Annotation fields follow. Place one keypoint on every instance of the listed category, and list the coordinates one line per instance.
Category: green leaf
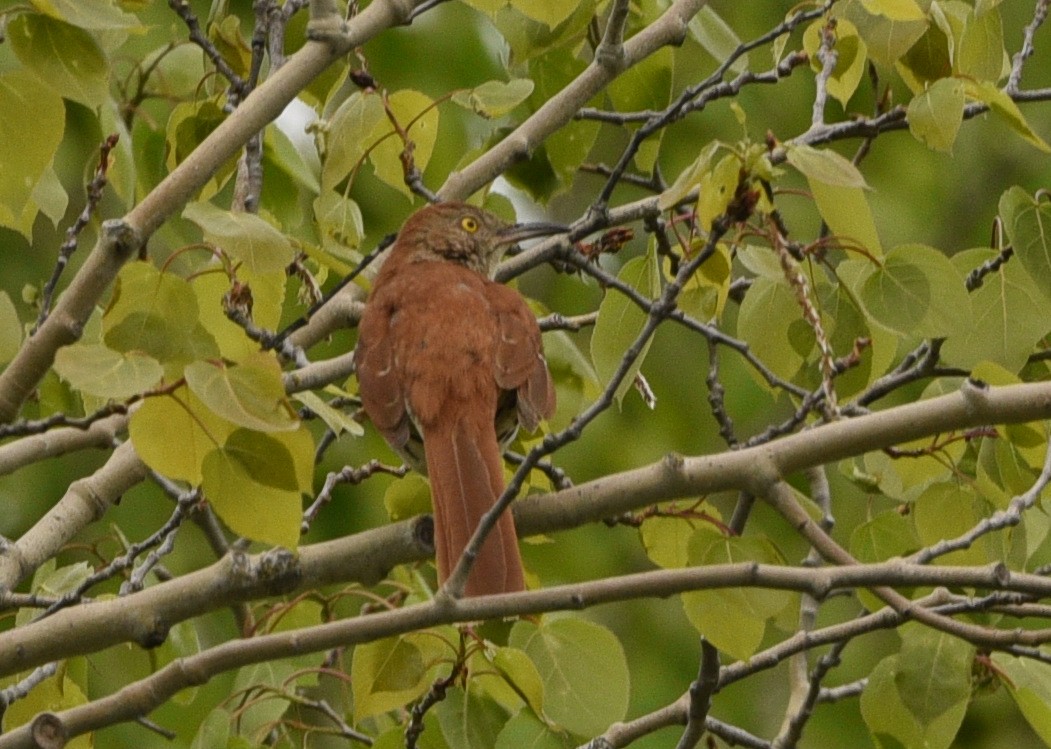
(520, 672)
(688, 178)
(100, 371)
(96, 15)
(156, 313)
(66, 58)
(10, 329)
(526, 730)
(896, 10)
(243, 236)
(1028, 225)
(209, 290)
(416, 114)
(573, 656)
(213, 731)
(392, 672)
(888, 716)
(981, 52)
(935, 115)
(947, 510)
(851, 57)
(494, 99)
(717, 189)
(1029, 684)
(188, 126)
(717, 38)
(548, 12)
(258, 715)
(28, 108)
(889, 534)
(353, 130)
(733, 619)
(340, 225)
(53, 695)
(889, 27)
(848, 215)
(667, 540)
(928, 60)
(620, 321)
(335, 419)
(772, 322)
(1010, 315)
(250, 394)
(200, 432)
(470, 720)
(248, 507)
(1002, 104)
(705, 293)
(933, 674)
(263, 458)
(825, 166)
(407, 498)
(917, 291)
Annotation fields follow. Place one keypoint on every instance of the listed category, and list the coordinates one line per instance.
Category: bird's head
(465, 234)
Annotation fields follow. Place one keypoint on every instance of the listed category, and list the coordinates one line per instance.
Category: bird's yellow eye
(469, 224)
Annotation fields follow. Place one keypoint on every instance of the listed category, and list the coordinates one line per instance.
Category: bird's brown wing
(519, 363)
(381, 389)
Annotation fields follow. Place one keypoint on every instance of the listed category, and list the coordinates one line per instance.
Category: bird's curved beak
(516, 233)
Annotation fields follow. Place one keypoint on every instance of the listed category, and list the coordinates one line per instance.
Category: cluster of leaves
(823, 327)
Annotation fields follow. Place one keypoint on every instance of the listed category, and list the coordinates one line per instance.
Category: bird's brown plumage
(447, 354)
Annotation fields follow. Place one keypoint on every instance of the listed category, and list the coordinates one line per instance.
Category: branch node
(279, 570)
(49, 732)
(326, 24)
(121, 239)
(975, 394)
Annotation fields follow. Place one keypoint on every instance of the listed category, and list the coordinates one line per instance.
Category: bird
(449, 364)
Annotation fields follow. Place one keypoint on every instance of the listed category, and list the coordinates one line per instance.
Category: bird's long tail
(466, 475)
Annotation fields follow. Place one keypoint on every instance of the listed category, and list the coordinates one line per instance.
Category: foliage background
(918, 195)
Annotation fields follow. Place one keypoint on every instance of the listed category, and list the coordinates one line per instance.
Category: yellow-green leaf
(572, 657)
(66, 58)
(352, 131)
(10, 329)
(851, 57)
(548, 12)
(1027, 221)
(88, 14)
(981, 52)
(733, 619)
(936, 114)
(392, 672)
(28, 107)
(243, 236)
(248, 507)
(620, 321)
(717, 189)
(717, 37)
(824, 165)
(100, 371)
(416, 114)
(200, 431)
(250, 394)
(334, 419)
(494, 99)
(848, 215)
(1010, 315)
(1002, 104)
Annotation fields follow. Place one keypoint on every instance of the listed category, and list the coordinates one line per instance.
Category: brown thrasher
(448, 355)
